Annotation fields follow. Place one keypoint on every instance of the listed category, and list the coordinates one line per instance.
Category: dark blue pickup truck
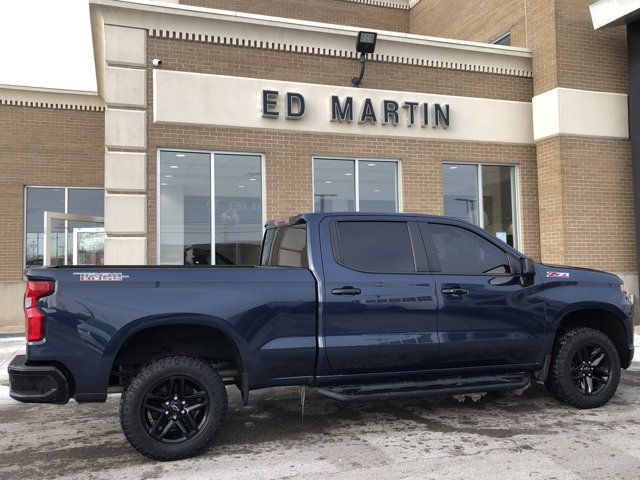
(359, 306)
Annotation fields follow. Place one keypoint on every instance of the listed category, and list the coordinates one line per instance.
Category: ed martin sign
(217, 100)
(342, 110)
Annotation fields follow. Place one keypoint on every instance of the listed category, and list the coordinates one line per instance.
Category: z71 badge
(558, 275)
(101, 276)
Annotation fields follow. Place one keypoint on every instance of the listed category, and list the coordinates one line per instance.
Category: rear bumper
(37, 383)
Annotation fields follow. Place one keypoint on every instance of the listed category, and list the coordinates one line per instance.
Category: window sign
(484, 195)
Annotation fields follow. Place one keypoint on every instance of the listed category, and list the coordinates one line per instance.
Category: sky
(46, 43)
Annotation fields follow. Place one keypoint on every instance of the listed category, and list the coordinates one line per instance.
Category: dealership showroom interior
(172, 132)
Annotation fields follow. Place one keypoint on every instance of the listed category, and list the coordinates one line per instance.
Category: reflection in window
(383, 247)
(480, 256)
(238, 191)
(344, 185)
(81, 201)
(186, 233)
(462, 184)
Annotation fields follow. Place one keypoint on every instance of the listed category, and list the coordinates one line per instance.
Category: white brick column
(125, 92)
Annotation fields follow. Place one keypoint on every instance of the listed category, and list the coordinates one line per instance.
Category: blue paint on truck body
(290, 329)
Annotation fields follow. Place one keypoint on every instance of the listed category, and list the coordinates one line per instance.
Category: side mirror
(527, 267)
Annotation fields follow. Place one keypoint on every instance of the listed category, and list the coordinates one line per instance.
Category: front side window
(70, 242)
(352, 185)
(376, 247)
(210, 199)
(484, 195)
(463, 252)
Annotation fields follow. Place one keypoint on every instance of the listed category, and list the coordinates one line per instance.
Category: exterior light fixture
(365, 43)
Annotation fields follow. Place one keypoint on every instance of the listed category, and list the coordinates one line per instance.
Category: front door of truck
(486, 316)
(380, 307)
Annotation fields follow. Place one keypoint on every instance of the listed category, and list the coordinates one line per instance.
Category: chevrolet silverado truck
(358, 306)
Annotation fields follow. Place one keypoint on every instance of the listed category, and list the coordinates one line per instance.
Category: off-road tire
(559, 382)
(131, 407)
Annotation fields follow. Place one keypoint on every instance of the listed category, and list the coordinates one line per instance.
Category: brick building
(213, 116)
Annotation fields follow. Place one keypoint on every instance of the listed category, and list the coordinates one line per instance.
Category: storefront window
(64, 234)
(188, 227)
(470, 189)
(346, 185)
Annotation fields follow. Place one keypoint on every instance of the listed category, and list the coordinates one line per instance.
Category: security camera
(156, 62)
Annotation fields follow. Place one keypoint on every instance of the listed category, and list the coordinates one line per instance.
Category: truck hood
(580, 273)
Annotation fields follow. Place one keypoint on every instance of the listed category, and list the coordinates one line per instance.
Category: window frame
(66, 211)
(268, 245)
(418, 248)
(515, 193)
(211, 154)
(501, 37)
(356, 180)
(432, 255)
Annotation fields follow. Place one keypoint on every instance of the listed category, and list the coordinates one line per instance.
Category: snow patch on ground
(9, 348)
(5, 399)
(635, 364)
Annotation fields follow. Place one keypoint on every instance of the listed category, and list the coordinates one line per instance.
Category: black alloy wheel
(585, 368)
(591, 369)
(175, 409)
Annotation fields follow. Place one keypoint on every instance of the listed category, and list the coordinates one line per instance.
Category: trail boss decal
(558, 275)
(101, 276)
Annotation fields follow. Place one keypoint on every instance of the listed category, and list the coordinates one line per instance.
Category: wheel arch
(600, 316)
(205, 337)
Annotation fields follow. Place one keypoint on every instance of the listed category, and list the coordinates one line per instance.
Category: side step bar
(427, 388)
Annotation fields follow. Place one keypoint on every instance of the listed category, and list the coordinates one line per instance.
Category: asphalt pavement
(500, 436)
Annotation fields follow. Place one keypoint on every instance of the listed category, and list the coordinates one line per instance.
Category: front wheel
(173, 407)
(585, 369)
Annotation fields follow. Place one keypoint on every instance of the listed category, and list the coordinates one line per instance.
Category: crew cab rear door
(380, 311)
(486, 316)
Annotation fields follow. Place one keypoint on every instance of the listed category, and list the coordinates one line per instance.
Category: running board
(427, 388)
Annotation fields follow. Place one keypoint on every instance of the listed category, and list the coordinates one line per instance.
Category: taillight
(33, 317)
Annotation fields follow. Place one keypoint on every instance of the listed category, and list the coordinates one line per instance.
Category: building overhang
(613, 13)
(23, 96)
(185, 22)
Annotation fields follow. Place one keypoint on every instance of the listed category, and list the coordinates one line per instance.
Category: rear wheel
(585, 369)
(173, 407)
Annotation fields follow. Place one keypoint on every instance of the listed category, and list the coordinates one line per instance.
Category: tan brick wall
(288, 167)
(541, 20)
(551, 201)
(589, 59)
(41, 146)
(598, 203)
(478, 21)
(191, 56)
(586, 203)
(341, 12)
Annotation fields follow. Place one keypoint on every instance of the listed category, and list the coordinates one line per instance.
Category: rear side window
(461, 251)
(377, 247)
(286, 247)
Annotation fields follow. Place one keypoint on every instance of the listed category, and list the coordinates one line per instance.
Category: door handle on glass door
(348, 290)
(455, 291)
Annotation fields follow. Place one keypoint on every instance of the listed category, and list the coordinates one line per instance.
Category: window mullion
(480, 199)
(356, 163)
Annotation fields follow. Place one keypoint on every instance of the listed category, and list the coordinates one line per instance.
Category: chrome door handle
(348, 290)
(455, 291)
